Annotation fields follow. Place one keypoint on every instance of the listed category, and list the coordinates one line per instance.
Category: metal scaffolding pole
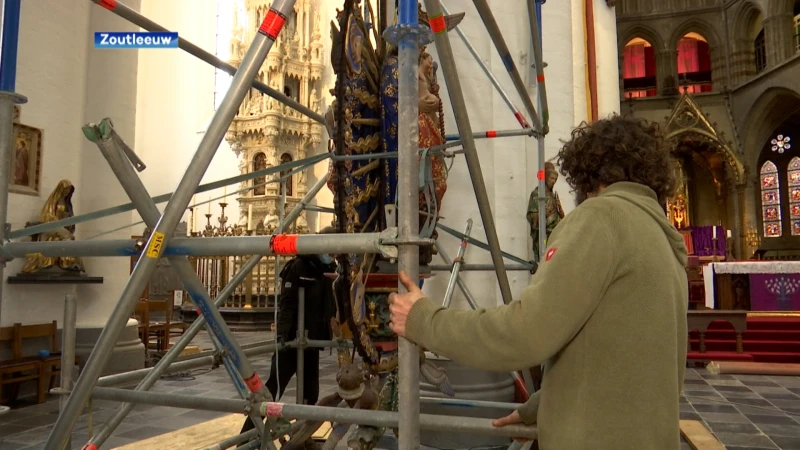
(7, 102)
(99, 214)
(301, 348)
(408, 35)
(8, 80)
(491, 134)
(137, 19)
(495, 82)
(287, 411)
(236, 364)
(462, 249)
(497, 37)
(471, 153)
(534, 10)
(161, 234)
(281, 244)
(476, 267)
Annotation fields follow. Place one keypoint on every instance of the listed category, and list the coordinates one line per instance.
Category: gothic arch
(698, 26)
(766, 114)
(745, 16)
(688, 119)
(644, 32)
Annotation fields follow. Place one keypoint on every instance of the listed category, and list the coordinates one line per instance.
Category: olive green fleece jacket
(605, 313)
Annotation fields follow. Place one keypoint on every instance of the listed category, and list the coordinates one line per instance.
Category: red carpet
(767, 339)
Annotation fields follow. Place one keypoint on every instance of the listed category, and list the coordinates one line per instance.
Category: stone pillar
(743, 61)
(667, 72)
(741, 224)
(779, 36)
(718, 76)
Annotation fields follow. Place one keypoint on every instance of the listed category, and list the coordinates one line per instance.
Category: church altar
(753, 285)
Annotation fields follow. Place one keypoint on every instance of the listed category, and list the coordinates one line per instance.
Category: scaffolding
(399, 243)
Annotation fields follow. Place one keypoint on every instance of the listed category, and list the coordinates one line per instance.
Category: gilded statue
(57, 207)
(553, 210)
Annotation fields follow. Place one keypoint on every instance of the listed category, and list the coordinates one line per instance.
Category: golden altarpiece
(266, 133)
(711, 183)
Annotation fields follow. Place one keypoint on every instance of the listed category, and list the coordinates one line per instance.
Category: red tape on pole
(272, 24)
(90, 446)
(521, 119)
(540, 175)
(540, 78)
(253, 383)
(109, 5)
(491, 134)
(284, 244)
(438, 24)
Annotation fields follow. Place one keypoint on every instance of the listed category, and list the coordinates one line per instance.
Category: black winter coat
(306, 271)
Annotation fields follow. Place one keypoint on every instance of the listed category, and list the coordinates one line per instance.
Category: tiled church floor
(745, 412)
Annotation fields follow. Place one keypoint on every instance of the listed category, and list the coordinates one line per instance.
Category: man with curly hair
(605, 313)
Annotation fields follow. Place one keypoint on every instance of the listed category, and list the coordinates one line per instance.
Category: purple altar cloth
(775, 292)
(703, 241)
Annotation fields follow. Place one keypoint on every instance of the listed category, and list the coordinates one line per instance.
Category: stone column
(743, 61)
(718, 76)
(779, 34)
(741, 224)
(667, 72)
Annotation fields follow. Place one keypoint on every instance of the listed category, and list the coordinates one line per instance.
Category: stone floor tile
(780, 430)
(745, 440)
(724, 417)
(786, 443)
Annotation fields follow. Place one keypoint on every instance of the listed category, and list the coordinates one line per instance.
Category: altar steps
(767, 339)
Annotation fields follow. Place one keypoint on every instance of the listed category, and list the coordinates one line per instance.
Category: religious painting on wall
(26, 155)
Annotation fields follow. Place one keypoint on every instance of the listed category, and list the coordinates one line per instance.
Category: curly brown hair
(618, 149)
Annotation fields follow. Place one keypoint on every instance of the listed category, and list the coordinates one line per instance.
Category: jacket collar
(630, 188)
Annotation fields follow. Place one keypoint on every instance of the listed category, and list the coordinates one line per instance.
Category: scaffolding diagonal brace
(456, 93)
(162, 232)
(115, 151)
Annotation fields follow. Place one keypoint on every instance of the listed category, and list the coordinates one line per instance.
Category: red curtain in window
(649, 62)
(634, 58)
(703, 56)
(688, 60)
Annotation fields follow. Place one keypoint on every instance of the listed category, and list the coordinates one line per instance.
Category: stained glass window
(771, 200)
(781, 143)
(793, 175)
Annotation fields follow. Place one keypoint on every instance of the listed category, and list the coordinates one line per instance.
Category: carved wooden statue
(57, 207)
(553, 210)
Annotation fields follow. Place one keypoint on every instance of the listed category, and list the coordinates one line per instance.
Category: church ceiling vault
(687, 121)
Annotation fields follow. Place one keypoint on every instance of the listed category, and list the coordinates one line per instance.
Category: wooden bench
(159, 326)
(700, 320)
(20, 368)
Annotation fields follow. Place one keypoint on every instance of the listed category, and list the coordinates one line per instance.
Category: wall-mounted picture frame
(26, 161)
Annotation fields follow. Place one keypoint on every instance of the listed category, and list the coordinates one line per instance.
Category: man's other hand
(400, 304)
(510, 419)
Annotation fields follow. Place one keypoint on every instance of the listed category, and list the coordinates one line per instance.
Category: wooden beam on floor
(753, 368)
(205, 434)
(698, 436)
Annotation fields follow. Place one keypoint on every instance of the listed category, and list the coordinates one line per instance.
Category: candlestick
(714, 232)
(225, 194)
(249, 217)
(209, 207)
(729, 234)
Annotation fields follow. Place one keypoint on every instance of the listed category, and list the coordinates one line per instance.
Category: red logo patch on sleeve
(550, 254)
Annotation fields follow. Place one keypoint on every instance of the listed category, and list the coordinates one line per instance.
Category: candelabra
(753, 239)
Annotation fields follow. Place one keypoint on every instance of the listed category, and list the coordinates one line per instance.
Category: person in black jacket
(308, 272)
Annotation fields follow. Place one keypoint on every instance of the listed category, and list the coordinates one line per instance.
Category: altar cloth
(774, 285)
